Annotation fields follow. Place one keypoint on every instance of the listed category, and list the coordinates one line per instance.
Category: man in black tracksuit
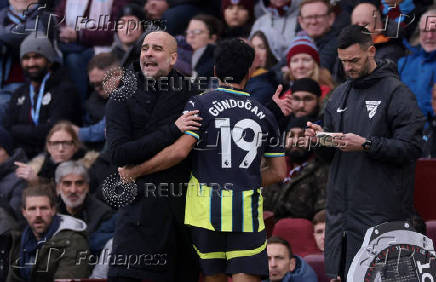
(371, 177)
(151, 228)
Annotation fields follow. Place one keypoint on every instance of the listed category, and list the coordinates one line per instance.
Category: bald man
(388, 47)
(150, 240)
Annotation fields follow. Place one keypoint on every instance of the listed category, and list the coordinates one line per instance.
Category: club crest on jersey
(371, 107)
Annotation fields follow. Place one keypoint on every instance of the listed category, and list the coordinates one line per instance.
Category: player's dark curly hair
(233, 59)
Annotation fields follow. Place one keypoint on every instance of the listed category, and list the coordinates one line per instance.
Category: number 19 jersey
(224, 189)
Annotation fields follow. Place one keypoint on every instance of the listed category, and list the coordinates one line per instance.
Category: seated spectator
(83, 33)
(11, 186)
(278, 24)
(101, 68)
(131, 19)
(155, 9)
(16, 22)
(202, 33)
(72, 186)
(303, 61)
(47, 98)
(50, 243)
(262, 83)
(62, 145)
(238, 17)
(284, 266)
(388, 46)
(316, 19)
(302, 192)
(319, 229)
(98, 70)
(418, 70)
(305, 99)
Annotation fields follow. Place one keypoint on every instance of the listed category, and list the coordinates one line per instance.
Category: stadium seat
(317, 263)
(431, 230)
(425, 188)
(299, 233)
(268, 218)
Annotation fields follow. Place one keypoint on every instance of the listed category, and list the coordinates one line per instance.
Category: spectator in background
(303, 61)
(155, 8)
(16, 22)
(47, 98)
(10, 185)
(128, 33)
(388, 46)
(319, 229)
(418, 70)
(302, 192)
(62, 145)
(262, 83)
(50, 243)
(72, 186)
(88, 29)
(278, 24)
(316, 19)
(101, 68)
(285, 266)
(202, 33)
(306, 98)
(238, 17)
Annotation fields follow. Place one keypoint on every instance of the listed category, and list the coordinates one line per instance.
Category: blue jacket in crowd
(418, 72)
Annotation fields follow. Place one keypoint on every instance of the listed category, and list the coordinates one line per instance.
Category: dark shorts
(231, 252)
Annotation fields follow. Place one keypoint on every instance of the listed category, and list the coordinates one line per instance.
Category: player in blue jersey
(223, 200)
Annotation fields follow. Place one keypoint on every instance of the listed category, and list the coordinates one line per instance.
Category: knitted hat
(38, 43)
(303, 44)
(308, 85)
(6, 141)
(247, 4)
(132, 9)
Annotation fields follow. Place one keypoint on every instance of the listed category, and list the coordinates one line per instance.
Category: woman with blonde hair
(303, 62)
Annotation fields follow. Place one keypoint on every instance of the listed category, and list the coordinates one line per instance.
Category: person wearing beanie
(46, 98)
(238, 17)
(278, 23)
(305, 100)
(16, 22)
(11, 186)
(131, 23)
(303, 61)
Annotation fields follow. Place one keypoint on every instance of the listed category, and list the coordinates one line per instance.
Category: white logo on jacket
(371, 107)
(46, 99)
(21, 100)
